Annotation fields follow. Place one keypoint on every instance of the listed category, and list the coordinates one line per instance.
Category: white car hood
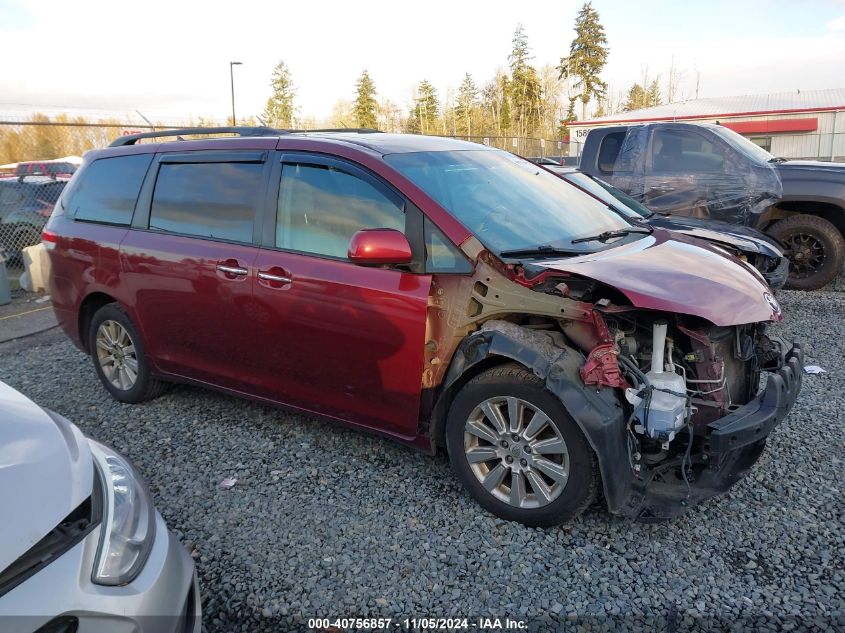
(46, 471)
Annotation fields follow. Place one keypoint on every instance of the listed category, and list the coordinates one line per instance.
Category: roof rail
(353, 130)
(131, 139)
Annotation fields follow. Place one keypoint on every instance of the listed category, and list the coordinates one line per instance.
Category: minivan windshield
(509, 203)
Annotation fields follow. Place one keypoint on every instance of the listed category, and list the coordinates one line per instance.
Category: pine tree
(525, 90)
(366, 108)
(653, 94)
(570, 117)
(587, 57)
(467, 102)
(426, 109)
(280, 110)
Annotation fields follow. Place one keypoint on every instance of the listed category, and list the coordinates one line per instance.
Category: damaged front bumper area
(729, 447)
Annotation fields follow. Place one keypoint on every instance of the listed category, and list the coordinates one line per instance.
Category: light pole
(232, 81)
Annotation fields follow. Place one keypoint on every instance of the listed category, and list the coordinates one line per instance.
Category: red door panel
(192, 298)
(341, 339)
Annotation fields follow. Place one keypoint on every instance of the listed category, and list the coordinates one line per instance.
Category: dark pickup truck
(708, 171)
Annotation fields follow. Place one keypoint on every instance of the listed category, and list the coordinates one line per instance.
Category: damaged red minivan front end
(656, 348)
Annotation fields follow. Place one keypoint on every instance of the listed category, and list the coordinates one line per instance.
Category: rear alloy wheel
(116, 354)
(517, 451)
(119, 356)
(815, 248)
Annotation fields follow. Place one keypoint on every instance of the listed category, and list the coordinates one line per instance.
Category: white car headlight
(128, 519)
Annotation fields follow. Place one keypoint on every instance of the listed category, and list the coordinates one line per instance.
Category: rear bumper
(730, 447)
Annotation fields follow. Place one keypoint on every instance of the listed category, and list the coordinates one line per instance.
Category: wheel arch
(87, 309)
(597, 412)
(833, 212)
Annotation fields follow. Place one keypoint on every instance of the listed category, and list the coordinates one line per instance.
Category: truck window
(675, 151)
(609, 152)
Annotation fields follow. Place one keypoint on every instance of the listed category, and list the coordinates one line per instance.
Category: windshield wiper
(607, 235)
(543, 250)
(777, 159)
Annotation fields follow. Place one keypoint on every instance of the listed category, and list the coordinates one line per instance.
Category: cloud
(837, 24)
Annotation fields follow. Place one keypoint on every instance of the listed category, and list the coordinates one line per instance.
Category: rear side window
(609, 151)
(107, 190)
(213, 200)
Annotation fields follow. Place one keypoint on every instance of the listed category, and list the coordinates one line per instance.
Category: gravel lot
(325, 521)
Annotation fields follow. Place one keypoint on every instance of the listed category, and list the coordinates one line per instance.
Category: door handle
(277, 278)
(232, 270)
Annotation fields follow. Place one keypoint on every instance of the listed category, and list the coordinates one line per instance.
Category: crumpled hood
(668, 272)
(742, 238)
(46, 470)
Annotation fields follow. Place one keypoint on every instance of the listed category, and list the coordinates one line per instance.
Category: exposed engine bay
(672, 404)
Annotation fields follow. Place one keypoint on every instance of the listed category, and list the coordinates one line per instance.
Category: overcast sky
(170, 59)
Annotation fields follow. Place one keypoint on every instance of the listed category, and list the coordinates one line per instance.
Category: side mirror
(379, 247)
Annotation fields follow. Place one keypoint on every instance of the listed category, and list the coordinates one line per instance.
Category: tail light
(49, 239)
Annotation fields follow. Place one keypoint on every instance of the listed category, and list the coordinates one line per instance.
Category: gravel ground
(325, 521)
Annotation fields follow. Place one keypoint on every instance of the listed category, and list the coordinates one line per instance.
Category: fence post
(5, 289)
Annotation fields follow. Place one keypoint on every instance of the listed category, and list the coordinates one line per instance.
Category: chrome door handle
(232, 270)
(272, 277)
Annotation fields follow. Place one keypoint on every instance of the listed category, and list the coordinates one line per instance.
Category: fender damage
(571, 331)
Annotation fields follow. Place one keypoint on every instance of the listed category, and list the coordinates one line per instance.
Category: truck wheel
(516, 450)
(815, 248)
(119, 356)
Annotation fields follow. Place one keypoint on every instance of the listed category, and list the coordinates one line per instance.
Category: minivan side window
(321, 207)
(106, 191)
(216, 200)
(441, 256)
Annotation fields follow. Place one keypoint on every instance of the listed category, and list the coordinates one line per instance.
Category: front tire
(120, 358)
(815, 248)
(517, 451)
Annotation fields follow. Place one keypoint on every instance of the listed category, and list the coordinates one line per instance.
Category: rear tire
(517, 451)
(815, 248)
(120, 358)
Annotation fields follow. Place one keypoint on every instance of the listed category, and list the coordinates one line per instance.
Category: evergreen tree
(570, 117)
(366, 108)
(280, 110)
(653, 94)
(467, 103)
(524, 88)
(426, 108)
(587, 57)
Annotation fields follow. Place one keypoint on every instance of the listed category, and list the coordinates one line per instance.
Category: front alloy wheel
(516, 453)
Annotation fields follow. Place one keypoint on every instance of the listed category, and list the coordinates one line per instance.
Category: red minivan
(437, 291)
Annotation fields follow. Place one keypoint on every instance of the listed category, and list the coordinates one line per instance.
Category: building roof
(744, 105)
